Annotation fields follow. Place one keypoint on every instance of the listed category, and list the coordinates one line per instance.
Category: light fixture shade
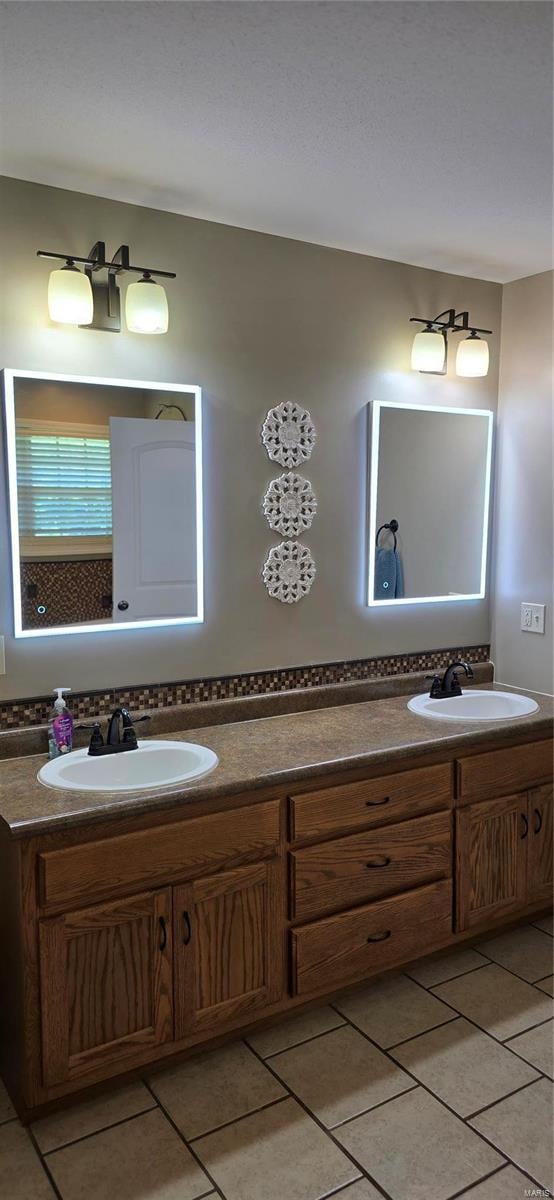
(428, 351)
(472, 357)
(146, 308)
(70, 300)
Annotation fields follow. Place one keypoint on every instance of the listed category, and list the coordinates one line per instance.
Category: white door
(153, 518)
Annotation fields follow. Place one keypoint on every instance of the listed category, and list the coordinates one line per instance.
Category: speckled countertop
(274, 751)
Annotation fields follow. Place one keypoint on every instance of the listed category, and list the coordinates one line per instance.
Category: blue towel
(389, 579)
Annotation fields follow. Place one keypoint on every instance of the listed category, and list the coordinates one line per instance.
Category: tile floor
(427, 1085)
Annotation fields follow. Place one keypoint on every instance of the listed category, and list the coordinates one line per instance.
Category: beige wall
(523, 519)
(254, 320)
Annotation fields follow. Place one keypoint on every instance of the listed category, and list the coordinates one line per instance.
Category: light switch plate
(532, 617)
(2, 657)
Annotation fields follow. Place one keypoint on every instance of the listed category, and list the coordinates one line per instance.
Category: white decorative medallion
(288, 434)
(290, 504)
(289, 571)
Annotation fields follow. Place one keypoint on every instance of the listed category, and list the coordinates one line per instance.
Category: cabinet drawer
(503, 772)
(160, 855)
(368, 865)
(365, 940)
(370, 802)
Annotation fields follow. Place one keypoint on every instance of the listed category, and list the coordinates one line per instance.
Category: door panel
(540, 849)
(491, 851)
(229, 950)
(153, 518)
(105, 983)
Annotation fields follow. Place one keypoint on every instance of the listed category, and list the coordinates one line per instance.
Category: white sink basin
(474, 706)
(154, 765)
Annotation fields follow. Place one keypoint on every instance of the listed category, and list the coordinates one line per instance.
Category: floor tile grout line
(546, 931)
(459, 1195)
(413, 1087)
(102, 1129)
(529, 1029)
(449, 1021)
(303, 1042)
(514, 1092)
(414, 1038)
(312, 1117)
(225, 1124)
(459, 975)
(44, 1164)
(336, 1193)
(215, 1187)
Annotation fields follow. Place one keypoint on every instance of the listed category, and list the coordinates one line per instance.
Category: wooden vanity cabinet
(106, 985)
(228, 948)
(491, 854)
(504, 848)
(540, 847)
(155, 936)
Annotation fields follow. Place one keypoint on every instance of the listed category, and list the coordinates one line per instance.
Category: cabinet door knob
(123, 604)
(379, 937)
(163, 934)
(374, 863)
(188, 929)
(376, 803)
(538, 820)
(525, 826)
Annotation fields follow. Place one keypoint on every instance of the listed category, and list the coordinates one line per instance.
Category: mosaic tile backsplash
(19, 714)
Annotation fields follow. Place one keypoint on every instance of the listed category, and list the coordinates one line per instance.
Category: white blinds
(63, 481)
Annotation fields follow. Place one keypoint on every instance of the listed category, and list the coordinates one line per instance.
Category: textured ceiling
(415, 131)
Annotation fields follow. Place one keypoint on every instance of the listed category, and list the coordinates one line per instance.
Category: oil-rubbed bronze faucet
(114, 744)
(449, 685)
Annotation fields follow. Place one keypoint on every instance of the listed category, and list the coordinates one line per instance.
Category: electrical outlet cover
(532, 617)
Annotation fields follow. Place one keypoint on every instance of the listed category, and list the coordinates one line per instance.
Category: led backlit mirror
(105, 490)
(429, 489)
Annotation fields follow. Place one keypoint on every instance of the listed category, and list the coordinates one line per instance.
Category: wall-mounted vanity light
(78, 297)
(430, 345)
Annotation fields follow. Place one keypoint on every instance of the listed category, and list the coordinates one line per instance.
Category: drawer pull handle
(374, 863)
(188, 930)
(163, 934)
(379, 937)
(523, 835)
(376, 803)
(538, 820)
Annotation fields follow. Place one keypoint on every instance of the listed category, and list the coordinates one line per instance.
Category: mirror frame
(373, 472)
(9, 378)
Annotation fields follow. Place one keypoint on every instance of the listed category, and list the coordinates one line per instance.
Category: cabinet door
(105, 984)
(491, 853)
(540, 845)
(229, 946)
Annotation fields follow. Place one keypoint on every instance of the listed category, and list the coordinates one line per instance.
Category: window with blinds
(63, 489)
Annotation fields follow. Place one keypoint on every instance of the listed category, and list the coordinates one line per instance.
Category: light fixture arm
(96, 261)
(451, 323)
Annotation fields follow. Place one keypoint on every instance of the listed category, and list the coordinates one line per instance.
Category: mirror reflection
(105, 502)
(429, 503)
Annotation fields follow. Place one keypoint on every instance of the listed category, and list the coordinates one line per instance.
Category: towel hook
(392, 526)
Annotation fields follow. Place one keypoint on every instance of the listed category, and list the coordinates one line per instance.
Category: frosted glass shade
(472, 357)
(428, 351)
(146, 308)
(70, 299)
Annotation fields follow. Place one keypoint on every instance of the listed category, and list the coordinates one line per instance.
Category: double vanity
(324, 847)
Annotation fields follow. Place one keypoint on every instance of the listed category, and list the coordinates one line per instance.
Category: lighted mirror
(429, 490)
(105, 494)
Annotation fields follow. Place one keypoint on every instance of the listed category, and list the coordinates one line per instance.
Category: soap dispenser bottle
(60, 726)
